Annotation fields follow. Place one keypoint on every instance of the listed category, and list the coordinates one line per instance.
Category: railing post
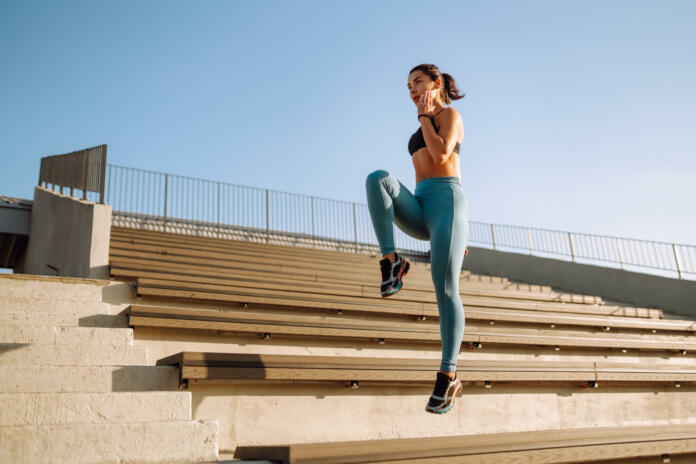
(676, 259)
(218, 204)
(355, 227)
(618, 246)
(102, 176)
(312, 219)
(572, 251)
(267, 217)
(493, 235)
(84, 176)
(166, 185)
(529, 238)
(62, 177)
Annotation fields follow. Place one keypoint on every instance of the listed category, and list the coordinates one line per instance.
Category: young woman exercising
(437, 211)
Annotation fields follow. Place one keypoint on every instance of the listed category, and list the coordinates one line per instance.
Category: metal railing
(261, 214)
(83, 170)
(626, 253)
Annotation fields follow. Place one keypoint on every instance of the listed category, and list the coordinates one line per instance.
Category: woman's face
(418, 83)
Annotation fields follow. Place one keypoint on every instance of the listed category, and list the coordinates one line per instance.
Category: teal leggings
(438, 212)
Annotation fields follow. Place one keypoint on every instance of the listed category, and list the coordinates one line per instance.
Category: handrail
(206, 204)
(81, 169)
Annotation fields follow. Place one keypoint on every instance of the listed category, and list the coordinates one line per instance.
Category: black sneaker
(392, 274)
(445, 391)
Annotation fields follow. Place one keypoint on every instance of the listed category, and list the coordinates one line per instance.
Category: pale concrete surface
(264, 414)
(21, 287)
(17, 316)
(97, 379)
(93, 408)
(57, 301)
(148, 442)
(20, 354)
(43, 335)
(84, 394)
(54, 279)
(68, 237)
(645, 290)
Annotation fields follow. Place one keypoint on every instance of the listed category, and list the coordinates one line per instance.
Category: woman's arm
(441, 145)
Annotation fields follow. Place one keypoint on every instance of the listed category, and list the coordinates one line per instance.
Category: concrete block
(62, 319)
(33, 290)
(19, 354)
(85, 379)
(93, 408)
(145, 442)
(46, 335)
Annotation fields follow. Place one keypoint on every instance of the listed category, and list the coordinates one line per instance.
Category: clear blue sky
(579, 115)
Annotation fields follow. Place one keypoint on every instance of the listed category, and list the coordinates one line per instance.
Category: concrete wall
(645, 290)
(68, 237)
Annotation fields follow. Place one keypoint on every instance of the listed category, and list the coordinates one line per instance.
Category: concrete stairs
(74, 389)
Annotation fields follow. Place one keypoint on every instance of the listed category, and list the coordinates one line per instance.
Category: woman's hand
(425, 103)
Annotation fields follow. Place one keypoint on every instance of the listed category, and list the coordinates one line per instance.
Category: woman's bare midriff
(425, 166)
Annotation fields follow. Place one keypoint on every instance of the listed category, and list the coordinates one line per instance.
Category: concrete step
(62, 319)
(40, 290)
(54, 304)
(86, 379)
(62, 313)
(229, 459)
(385, 412)
(20, 354)
(93, 408)
(46, 335)
(144, 442)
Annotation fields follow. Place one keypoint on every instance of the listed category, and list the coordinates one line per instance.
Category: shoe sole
(399, 277)
(444, 410)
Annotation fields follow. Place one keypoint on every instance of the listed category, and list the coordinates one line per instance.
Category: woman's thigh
(446, 215)
(408, 212)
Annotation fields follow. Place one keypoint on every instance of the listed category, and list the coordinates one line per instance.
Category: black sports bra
(417, 141)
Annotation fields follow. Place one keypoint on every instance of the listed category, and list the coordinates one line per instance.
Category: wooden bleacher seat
(475, 335)
(355, 370)
(674, 444)
(152, 270)
(126, 241)
(171, 271)
(244, 295)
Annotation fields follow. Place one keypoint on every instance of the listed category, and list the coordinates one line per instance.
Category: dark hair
(449, 90)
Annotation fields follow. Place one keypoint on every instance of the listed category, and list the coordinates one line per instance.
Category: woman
(437, 211)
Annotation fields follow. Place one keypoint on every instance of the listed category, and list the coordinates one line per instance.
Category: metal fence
(671, 258)
(81, 170)
(180, 201)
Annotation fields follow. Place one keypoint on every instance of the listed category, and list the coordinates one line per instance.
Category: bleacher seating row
(608, 445)
(352, 371)
(192, 284)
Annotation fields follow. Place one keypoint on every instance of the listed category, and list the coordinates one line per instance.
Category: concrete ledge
(20, 354)
(645, 290)
(87, 379)
(142, 442)
(44, 278)
(17, 409)
(44, 335)
(68, 237)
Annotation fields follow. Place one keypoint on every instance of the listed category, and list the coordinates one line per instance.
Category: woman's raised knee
(376, 176)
